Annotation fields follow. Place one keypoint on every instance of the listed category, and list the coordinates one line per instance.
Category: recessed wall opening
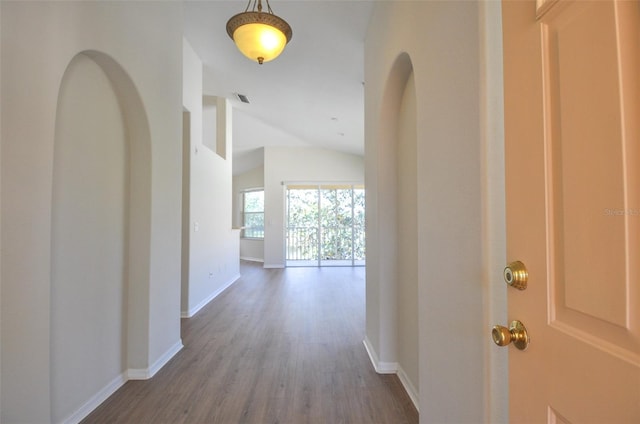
(89, 240)
(186, 196)
(210, 128)
(100, 235)
(398, 227)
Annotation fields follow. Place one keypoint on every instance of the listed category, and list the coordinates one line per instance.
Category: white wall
(0, 221)
(292, 164)
(494, 247)
(213, 244)
(138, 47)
(443, 44)
(250, 249)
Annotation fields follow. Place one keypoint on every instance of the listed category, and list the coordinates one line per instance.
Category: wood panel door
(572, 146)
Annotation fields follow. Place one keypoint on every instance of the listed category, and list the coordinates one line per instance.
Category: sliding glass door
(325, 225)
(303, 230)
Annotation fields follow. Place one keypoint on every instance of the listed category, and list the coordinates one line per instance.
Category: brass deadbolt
(516, 275)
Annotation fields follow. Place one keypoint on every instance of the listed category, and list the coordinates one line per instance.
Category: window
(253, 214)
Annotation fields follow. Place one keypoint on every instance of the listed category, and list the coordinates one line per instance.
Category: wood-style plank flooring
(278, 346)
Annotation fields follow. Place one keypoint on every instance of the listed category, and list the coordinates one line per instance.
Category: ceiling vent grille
(242, 98)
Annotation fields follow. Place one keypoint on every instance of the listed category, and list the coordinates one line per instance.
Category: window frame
(244, 213)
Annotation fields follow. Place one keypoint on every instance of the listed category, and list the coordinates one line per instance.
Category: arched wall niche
(100, 233)
(394, 141)
(139, 144)
(407, 229)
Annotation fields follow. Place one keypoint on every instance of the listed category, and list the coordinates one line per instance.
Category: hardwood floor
(279, 346)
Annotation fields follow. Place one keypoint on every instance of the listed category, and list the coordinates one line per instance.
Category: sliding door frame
(319, 187)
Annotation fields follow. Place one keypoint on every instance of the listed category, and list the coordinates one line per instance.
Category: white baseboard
(409, 388)
(191, 312)
(96, 400)
(166, 357)
(138, 374)
(273, 266)
(116, 383)
(380, 367)
(147, 373)
(250, 259)
(392, 368)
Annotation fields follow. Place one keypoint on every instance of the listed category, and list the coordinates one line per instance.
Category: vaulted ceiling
(312, 95)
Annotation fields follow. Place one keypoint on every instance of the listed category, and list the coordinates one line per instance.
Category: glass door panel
(336, 219)
(358, 226)
(325, 225)
(302, 227)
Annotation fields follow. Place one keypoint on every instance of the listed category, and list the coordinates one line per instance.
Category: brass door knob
(516, 334)
(516, 275)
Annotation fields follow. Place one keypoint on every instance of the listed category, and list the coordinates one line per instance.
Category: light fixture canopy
(260, 36)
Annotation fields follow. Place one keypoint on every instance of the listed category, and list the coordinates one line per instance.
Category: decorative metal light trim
(257, 16)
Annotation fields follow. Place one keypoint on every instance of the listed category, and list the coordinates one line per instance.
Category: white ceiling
(312, 95)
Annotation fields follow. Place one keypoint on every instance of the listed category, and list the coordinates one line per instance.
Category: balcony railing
(302, 243)
(330, 244)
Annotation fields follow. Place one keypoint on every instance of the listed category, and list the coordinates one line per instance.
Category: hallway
(278, 346)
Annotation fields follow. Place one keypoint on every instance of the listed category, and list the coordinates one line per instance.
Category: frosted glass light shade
(259, 41)
(259, 36)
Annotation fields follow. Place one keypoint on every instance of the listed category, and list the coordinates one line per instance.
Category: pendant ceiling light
(260, 36)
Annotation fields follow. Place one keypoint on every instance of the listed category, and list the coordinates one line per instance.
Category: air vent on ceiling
(242, 98)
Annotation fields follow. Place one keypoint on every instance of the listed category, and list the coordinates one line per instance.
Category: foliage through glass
(326, 223)
(253, 215)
